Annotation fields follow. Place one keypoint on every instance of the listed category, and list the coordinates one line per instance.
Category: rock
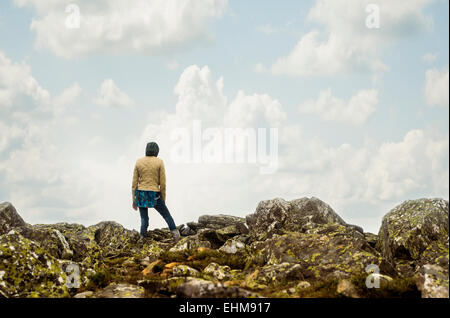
(287, 247)
(163, 286)
(199, 288)
(194, 226)
(145, 261)
(187, 231)
(190, 243)
(115, 290)
(154, 267)
(327, 249)
(216, 271)
(228, 232)
(209, 235)
(346, 288)
(9, 218)
(50, 239)
(303, 285)
(278, 216)
(371, 238)
(432, 282)
(218, 221)
(185, 271)
(86, 294)
(159, 234)
(232, 246)
(273, 275)
(73, 234)
(27, 270)
(113, 237)
(415, 233)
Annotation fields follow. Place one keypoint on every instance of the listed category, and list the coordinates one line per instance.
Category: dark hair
(152, 149)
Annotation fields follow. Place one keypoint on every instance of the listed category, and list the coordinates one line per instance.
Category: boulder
(432, 281)
(347, 289)
(218, 221)
(228, 232)
(190, 243)
(234, 245)
(278, 216)
(323, 252)
(415, 233)
(9, 218)
(218, 272)
(371, 238)
(153, 267)
(184, 271)
(273, 275)
(27, 270)
(50, 239)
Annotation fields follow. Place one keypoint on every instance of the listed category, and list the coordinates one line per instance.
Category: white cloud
(436, 87)
(199, 97)
(418, 162)
(254, 111)
(346, 44)
(379, 175)
(15, 79)
(67, 97)
(115, 26)
(109, 95)
(355, 111)
(51, 180)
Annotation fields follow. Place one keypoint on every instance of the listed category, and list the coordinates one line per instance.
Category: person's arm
(134, 183)
(162, 181)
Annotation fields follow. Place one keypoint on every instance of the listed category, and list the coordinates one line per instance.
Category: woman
(149, 189)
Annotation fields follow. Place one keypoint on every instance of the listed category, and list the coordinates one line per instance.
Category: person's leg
(164, 211)
(144, 221)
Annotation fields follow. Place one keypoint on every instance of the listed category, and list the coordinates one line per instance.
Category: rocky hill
(300, 248)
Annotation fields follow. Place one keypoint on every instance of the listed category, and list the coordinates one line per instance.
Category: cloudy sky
(358, 94)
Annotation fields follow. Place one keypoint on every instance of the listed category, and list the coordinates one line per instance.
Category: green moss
(399, 287)
(321, 289)
(100, 279)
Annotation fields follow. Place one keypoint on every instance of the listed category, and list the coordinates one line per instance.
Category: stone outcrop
(414, 237)
(9, 218)
(298, 248)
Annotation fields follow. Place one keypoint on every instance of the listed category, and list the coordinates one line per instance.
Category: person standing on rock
(149, 189)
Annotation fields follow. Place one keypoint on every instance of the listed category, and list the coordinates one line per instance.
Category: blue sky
(362, 157)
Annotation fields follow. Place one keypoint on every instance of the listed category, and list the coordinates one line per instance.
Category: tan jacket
(149, 175)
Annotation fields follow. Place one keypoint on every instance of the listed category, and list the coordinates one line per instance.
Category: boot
(176, 235)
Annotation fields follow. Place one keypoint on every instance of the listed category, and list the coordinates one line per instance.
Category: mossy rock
(416, 231)
(9, 218)
(278, 216)
(27, 270)
(327, 251)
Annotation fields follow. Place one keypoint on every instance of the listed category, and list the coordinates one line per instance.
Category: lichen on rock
(298, 248)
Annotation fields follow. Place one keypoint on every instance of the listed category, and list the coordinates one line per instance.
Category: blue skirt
(145, 199)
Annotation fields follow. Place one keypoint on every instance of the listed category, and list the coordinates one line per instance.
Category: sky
(355, 92)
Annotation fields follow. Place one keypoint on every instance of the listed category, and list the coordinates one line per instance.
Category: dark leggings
(162, 209)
